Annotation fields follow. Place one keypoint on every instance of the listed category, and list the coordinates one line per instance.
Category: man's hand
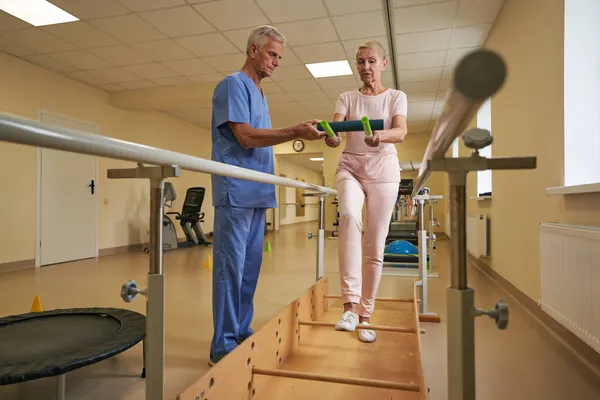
(306, 130)
(333, 141)
(373, 141)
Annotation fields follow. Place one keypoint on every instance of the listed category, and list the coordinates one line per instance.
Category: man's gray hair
(260, 34)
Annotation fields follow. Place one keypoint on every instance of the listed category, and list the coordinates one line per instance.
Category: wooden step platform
(299, 355)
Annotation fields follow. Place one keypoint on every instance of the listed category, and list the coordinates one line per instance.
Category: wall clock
(298, 145)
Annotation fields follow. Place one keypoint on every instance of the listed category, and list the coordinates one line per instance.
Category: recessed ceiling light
(330, 68)
(36, 12)
(316, 159)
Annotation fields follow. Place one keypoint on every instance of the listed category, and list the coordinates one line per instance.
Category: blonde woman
(368, 172)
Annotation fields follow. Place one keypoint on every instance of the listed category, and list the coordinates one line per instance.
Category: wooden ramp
(299, 355)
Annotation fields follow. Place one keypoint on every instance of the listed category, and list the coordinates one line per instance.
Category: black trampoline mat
(51, 343)
(43, 337)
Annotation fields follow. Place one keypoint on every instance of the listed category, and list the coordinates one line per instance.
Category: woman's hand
(373, 141)
(333, 141)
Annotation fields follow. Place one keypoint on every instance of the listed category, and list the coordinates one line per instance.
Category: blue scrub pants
(237, 256)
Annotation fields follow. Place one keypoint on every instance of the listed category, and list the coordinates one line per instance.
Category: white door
(68, 222)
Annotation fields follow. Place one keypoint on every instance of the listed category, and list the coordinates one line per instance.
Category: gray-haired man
(242, 136)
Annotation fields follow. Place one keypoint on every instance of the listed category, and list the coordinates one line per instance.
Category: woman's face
(370, 65)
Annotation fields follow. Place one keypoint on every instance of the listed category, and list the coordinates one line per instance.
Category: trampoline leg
(144, 354)
(62, 387)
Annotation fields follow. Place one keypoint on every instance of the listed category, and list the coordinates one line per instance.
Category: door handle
(92, 185)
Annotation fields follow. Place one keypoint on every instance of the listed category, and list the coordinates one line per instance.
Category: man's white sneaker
(366, 335)
(347, 322)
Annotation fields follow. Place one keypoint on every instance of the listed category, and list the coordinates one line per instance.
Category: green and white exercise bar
(364, 124)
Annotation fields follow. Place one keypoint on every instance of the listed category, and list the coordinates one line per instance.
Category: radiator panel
(570, 278)
(477, 235)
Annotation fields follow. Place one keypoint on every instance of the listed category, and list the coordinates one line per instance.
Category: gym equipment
(477, 76)
(336, 224)
(52, 343)
(367, 126)
(401, 226)
(401, 247)
(189, 219)
(327, 128)
(401, 253)
(404, 265)
(350, 126)
(299, 355)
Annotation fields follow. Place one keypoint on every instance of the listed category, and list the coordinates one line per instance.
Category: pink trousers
(374, 179)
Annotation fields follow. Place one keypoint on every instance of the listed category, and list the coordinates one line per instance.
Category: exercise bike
(189, 219)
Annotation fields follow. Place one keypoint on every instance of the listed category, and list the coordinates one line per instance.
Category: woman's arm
(397, 133)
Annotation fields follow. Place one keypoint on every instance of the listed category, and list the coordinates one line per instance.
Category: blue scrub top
(237, 99)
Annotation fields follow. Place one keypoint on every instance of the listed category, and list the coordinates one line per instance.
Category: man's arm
(249, 137)
(231, 105)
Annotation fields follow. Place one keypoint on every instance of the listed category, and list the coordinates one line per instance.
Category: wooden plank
(391, 357)
(285, 345)
(270, 347)
(432, 318)
(376, 383)
(377, 299)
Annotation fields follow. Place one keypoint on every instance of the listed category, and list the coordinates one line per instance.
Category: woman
(368, 169)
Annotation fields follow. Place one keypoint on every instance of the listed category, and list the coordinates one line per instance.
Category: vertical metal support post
(154, 342)
(61, 387)
(422, 259)
(321, 239)
(461, 324)
(431, 234)
(155, 321)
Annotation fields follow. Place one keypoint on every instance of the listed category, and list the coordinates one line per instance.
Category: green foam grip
(366, 126)
(327, 128)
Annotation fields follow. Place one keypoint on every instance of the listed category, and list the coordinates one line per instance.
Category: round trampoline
(51, 343)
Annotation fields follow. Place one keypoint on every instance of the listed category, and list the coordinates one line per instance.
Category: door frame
(38, 188)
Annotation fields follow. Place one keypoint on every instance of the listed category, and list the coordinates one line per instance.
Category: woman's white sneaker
(366, 335)
(347, 322)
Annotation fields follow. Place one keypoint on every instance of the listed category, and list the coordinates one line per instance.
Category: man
(242, 136)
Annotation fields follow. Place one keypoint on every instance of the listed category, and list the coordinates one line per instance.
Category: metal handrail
(29, 132)
(477, 77)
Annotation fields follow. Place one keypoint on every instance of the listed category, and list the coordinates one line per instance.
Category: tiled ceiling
(167, 55)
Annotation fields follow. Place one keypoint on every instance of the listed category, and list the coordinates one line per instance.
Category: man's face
(266, 59)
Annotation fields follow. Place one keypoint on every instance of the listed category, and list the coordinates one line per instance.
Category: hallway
(523, 362)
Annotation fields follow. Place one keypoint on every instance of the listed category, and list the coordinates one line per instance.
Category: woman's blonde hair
(375, 46)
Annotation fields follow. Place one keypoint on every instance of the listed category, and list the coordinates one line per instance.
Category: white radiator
(570, 278)
(478, 235)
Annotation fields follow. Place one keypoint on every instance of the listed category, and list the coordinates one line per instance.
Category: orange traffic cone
(208, 262)
(37, 305)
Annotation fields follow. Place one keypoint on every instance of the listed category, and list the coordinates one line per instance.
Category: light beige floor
(523, 362)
